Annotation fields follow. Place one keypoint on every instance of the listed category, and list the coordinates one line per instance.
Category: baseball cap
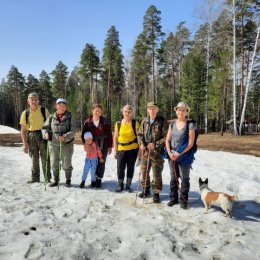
(33, 95)
(152, 104)
(61, 100)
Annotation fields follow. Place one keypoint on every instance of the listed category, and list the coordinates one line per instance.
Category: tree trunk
(234, 71)
(242, 119)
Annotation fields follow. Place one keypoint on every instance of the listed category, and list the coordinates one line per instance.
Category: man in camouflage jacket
(151, 138)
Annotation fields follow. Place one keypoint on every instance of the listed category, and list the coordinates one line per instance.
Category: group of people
(51, 138)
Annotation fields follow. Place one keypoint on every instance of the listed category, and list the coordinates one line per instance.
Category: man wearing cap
(60, 129)
(31, 122)
(151, 138)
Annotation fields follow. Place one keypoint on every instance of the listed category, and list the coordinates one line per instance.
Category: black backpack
(27, 113)
(133, 126)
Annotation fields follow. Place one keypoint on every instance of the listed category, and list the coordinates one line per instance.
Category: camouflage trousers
(65, 156)
(156, 163)
(37, 149)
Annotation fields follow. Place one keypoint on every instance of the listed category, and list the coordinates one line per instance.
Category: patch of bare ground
(246, 144)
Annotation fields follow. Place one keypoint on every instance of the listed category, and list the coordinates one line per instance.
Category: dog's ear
(206, 181)
(200, 180)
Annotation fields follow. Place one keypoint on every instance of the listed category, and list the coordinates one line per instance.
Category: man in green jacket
(151, 138)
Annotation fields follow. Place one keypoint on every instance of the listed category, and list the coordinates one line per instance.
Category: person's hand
(174, 156)
(115, 155)
(46, 136)
(61, 138)
(151, 146)
(25, 148)
(109, 150)
(142, 147)
(102, 160)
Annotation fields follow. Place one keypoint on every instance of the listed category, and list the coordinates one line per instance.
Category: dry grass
(248, 144)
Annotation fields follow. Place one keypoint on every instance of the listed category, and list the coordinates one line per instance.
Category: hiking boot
(82, 184)
(183, 205)
(68, 183)
(156, 198)
(128, 188)
(48, 181)
(120, 187)
(32, 181)
(54, 184)
(93, 184)
(172, 202)
(128, 185)
(144, 194)
(98, 183)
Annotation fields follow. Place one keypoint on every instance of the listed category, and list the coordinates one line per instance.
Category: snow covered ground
(8, 130)
(74, 223)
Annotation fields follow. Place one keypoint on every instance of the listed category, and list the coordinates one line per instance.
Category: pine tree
(112, 74)
(89, 67)
(140, 69)
(59, 81)
(15, 85)
(45, 89)
(153, 34)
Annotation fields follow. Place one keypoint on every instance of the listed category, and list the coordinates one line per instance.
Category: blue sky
(37, 34)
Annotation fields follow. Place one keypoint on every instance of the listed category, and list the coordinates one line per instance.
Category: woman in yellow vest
(126, 147)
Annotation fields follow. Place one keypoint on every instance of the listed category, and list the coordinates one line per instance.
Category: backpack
(27, 113)
(133, 126)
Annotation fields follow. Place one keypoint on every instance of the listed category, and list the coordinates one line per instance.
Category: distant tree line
(165, 68)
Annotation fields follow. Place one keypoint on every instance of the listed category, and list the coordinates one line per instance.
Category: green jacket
(154, 133)
(55, 128)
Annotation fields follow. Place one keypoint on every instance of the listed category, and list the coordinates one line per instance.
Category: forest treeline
(210, 69)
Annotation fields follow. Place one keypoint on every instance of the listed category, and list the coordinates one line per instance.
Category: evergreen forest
(215, 69)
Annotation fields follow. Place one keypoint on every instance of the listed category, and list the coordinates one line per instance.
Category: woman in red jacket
(102, 135)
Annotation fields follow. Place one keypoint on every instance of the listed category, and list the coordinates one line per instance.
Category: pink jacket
(92, 151)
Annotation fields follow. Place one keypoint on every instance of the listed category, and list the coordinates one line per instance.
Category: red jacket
(102, 134)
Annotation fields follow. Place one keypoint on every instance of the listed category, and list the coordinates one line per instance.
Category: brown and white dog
(209, 197)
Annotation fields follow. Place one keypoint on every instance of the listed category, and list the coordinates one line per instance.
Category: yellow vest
(126, 135)
(35, 119)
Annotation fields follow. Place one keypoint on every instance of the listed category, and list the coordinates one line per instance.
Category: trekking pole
(46, 163)
(138, 183)
(59, 165)
(146, 173)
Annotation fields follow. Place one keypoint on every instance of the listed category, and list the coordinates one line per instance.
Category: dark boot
(120, 187)
(68, 183)
(128, 185)
(156, 198)
(54, 184)
(172, 202)
(32, 181)
(82, 184)
(93, 184)
(184, 196)
(145, 194)
(98, 183)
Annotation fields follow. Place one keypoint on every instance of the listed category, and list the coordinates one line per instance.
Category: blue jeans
(90, 164)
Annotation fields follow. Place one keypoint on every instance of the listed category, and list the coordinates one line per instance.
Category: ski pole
(59, 165)
(138, 183)
(146, 174)
(46, 163)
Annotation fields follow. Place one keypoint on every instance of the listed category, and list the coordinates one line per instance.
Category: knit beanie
(88, 135)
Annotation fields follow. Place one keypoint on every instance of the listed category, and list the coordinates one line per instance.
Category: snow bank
(8, 130)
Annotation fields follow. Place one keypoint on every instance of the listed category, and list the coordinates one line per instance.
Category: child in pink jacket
(92, 154)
